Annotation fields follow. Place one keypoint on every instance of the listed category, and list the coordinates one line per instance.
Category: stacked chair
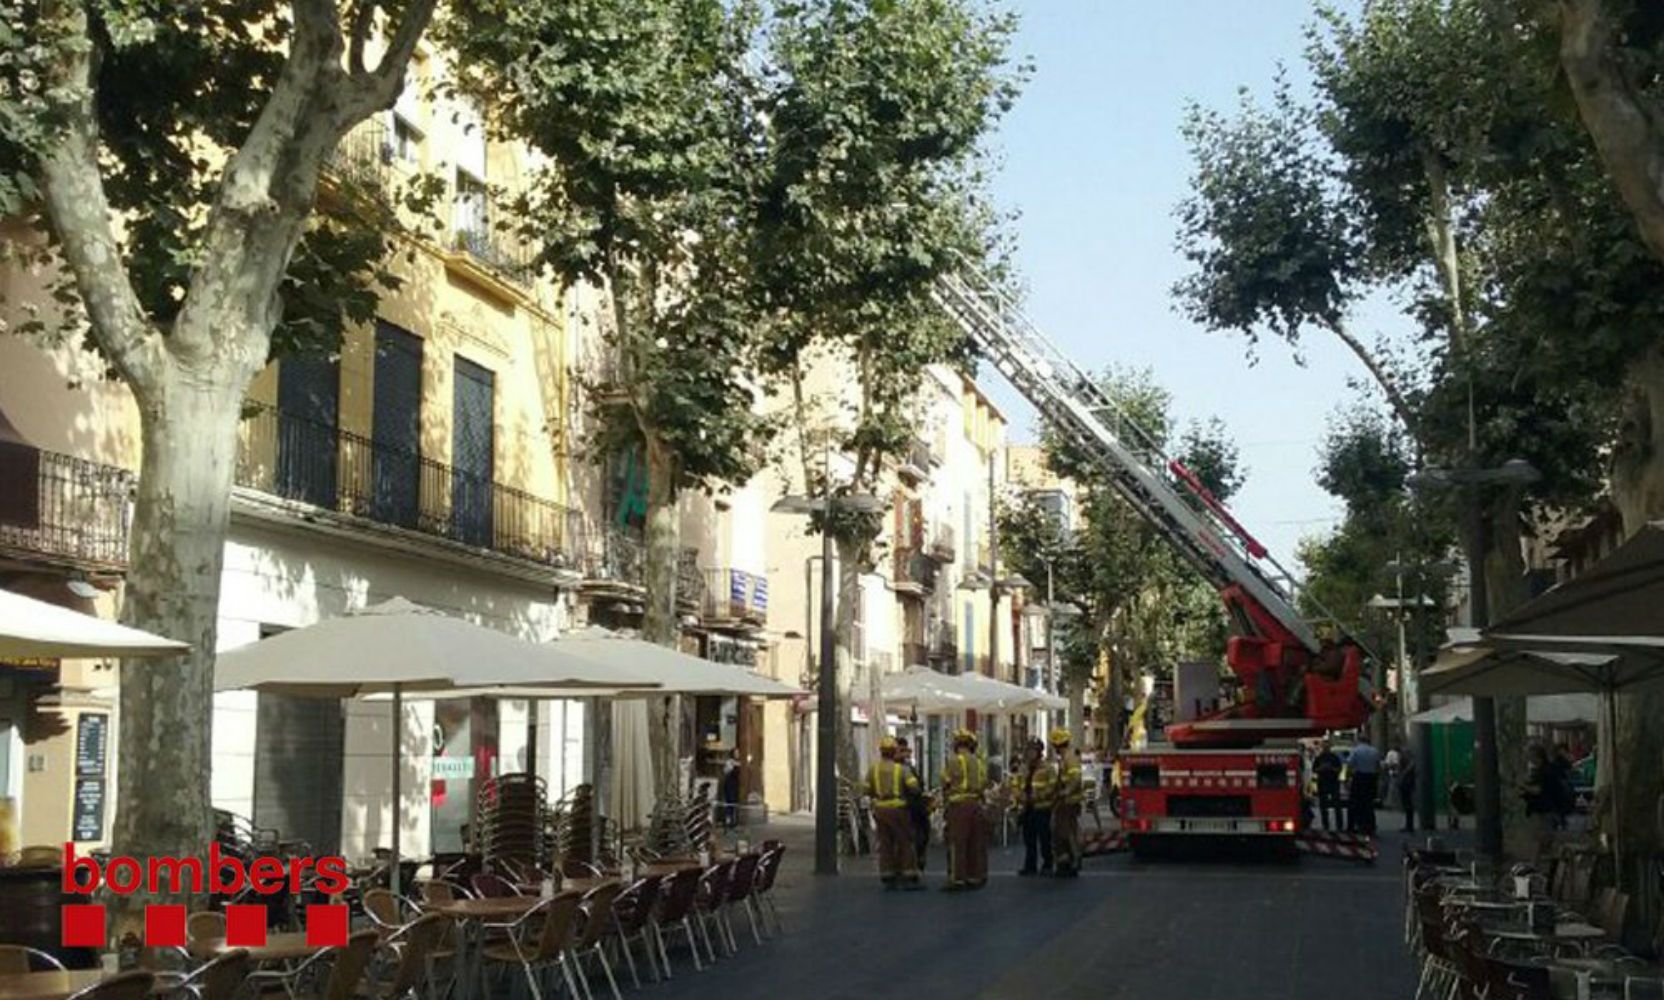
(513, 822)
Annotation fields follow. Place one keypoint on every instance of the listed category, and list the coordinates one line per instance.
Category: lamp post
(826, 722)
(1487, 778)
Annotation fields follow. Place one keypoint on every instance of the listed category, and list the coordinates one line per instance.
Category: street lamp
(1487, 778)
(826, 728)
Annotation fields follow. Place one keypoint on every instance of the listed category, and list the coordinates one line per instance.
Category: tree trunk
(188, 425)
(1115, 689)
(1505, 581)
(1638, 493)
(1624, 121)
(850, 552)
(658, 623)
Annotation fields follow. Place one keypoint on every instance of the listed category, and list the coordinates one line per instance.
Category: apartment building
(428, 458)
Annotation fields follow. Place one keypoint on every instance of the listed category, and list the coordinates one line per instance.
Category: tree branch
(1400, 404)
(79, 209)
(378, 89)
(1628, 132)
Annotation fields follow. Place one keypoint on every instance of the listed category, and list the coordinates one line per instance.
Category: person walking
(1390, 764)
(1037, 789)
(964, 780)
(1407, 787)
(918, 804)
(731, 790)
(1066, 809)
(888, 781)
(1326, 768)
(1541, 807)
(1365, 766)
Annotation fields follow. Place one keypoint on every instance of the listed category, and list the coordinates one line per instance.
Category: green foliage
(647, 113)
(1138, 600)
(871, 189)
(1272, 247)
(177, 89)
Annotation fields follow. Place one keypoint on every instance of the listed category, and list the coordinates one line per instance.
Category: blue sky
(1093, 161)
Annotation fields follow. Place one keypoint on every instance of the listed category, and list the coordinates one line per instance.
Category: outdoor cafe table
(476, 916)
(284, 946)
(53, 985)
(1570, 932)
(588, 884)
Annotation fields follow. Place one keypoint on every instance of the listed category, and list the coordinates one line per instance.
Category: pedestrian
(964, 780)
(888, 781)
(1538, 793)
(1037, 787)
(918, 804)
(1407, 788)
(1066, 807)
(1564, 790)
(1389, 784)
(1326, 767)
(1365, 766)
(730, 793)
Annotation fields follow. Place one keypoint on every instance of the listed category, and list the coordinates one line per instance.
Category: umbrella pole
(398, 750)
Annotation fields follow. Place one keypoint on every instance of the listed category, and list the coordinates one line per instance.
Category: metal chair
(387, 911)
(220, 979)
(767, 871)
(135, 985)
(16, 959)
(489, 886)
(709, 903)
(742, 882)
(677, 899)
(416, 944)
(347, 965)
(555, 921)
(591, 940)
(632, 914)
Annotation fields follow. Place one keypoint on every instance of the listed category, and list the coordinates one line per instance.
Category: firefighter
(1036, 789)
(964, 780)
(889, 782)
(1066, 810)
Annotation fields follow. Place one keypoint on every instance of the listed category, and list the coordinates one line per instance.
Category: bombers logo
(84, 924)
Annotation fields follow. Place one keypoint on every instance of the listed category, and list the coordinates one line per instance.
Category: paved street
(1183, 929)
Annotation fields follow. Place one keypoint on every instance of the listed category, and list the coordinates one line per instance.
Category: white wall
(291, 577)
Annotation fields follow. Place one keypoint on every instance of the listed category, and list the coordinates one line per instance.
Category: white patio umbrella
(1009, 698)
(924, 691)
(402, 648)
(31, 628)
(1548, 709)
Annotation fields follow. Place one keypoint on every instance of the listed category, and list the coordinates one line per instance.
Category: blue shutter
(472, 454)
(396, 424)
(308, 408)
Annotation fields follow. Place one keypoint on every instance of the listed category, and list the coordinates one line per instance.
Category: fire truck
(1225, 768)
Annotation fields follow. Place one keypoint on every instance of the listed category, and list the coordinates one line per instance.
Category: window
(469, 220)
(308, 405)
(404, 142)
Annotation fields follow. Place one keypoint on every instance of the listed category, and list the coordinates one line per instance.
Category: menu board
(89, 809)
(92, 753)
(92, 744)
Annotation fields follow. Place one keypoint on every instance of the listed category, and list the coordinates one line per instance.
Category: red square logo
(164, 926)
(83, 926)
(245, 926)
(326, 925)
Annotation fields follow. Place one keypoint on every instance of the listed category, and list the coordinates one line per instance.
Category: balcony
(941, 545)
(941, 645)
(690, 581)
(916, 462)
(611, 557)
(310, 463)
(487, 253)
(914, 572)
(362, 161)
(734, 598)
(64, 510)
(915, 654)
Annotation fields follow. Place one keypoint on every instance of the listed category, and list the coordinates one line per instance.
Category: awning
(31, 628)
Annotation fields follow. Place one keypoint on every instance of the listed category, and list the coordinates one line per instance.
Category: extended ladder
(1077, 408)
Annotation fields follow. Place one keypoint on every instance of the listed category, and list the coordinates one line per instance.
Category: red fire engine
(1232, 770)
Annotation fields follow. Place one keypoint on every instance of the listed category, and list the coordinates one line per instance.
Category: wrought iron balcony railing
(64, 509)
(299, 459)
(734, 595)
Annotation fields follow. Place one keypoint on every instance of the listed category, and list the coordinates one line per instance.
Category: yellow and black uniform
(1066, 811)
(964, 780)
(889, 782)
(1036, 794)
